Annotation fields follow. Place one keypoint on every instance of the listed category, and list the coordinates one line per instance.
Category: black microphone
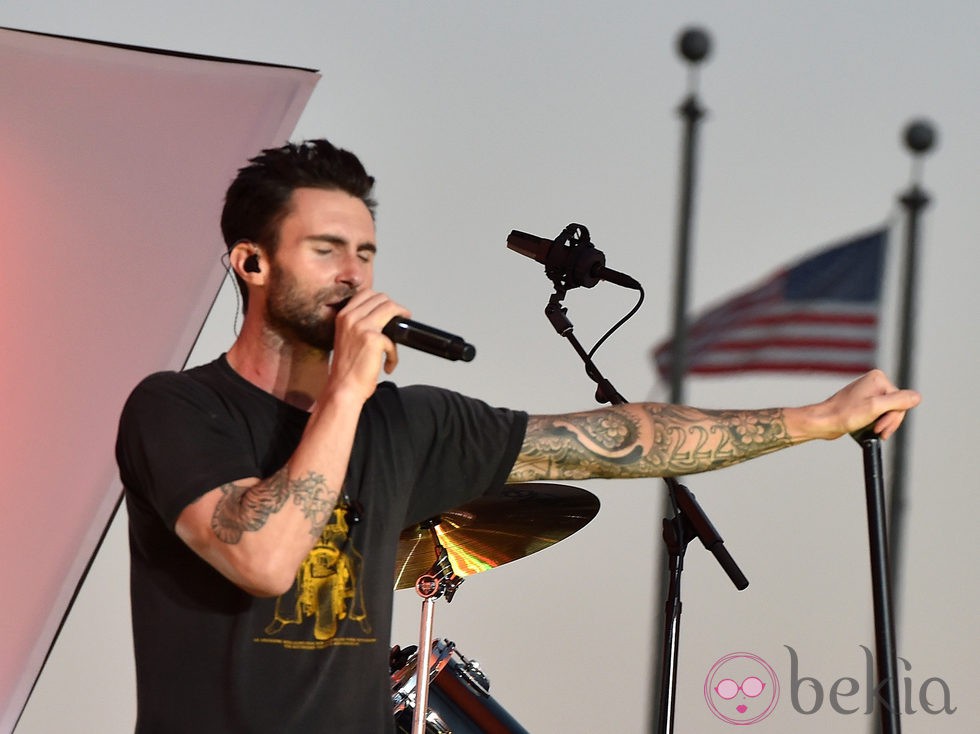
(428, 339)
(424, 338)
(583, 266)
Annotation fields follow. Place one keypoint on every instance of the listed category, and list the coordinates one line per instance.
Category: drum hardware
(436, 555)
(404, 672)
(471, 673)
(459, 694)
(497, 528)
(440, 580)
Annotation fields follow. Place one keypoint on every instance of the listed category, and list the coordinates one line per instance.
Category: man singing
(267, 489)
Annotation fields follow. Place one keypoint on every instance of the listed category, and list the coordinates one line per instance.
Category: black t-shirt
(211, 658)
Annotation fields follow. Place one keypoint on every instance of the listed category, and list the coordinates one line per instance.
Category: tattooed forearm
(645, 440)
(249, 508)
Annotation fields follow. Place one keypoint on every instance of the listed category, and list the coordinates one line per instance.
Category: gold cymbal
(495, 529)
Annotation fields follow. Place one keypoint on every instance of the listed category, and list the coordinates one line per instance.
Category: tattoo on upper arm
(249, 508)
(645, 440)
(578, 446)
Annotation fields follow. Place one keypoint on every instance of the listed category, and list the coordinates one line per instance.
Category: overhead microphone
(576, 265)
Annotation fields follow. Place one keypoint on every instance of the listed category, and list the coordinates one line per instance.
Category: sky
(481, 118)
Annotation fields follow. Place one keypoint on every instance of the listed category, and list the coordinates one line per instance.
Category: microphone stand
(689, 521)
(885, 645)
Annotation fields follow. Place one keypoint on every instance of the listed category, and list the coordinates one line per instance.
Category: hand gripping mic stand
(689, 519)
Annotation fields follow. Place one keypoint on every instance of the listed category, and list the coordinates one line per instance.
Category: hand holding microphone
(425, 338)
(428, 339)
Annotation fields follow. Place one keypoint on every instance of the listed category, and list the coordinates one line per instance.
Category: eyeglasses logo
(747, 702)
(751, 687)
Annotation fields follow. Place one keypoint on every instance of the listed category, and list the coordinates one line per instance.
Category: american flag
(819, 315)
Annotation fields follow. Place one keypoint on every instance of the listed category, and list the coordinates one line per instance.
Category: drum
(459, 696)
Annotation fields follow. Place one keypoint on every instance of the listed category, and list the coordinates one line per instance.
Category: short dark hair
(258, 199)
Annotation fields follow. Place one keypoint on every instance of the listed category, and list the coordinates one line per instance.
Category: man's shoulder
(169, 384)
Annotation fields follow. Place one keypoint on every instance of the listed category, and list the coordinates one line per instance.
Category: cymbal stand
(441, 580)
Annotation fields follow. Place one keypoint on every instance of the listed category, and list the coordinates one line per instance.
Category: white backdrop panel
(113, 161)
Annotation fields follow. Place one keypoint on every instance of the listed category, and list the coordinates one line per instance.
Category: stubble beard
(299, 317)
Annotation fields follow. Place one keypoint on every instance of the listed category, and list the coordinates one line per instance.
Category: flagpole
(694, 45)
(919, 139)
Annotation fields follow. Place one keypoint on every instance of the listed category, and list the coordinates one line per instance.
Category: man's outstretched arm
(656, 439)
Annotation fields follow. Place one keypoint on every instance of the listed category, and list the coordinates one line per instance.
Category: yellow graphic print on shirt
(327, 590)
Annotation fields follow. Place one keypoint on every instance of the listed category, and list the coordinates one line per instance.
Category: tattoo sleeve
(645, 440)
(249, 508)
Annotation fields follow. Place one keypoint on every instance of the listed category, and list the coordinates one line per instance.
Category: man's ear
(248, 261)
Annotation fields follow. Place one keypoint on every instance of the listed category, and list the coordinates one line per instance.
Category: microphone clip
(570, 260)
(578, 263)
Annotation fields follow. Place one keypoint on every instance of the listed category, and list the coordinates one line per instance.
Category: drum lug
(398, 657)
(435, 725)
(470, 672)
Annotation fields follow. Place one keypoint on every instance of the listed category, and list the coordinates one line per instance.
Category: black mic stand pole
(689, 521)
(885, 648)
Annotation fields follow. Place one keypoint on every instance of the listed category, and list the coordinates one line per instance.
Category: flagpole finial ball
(694, 44)
(920, 136)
